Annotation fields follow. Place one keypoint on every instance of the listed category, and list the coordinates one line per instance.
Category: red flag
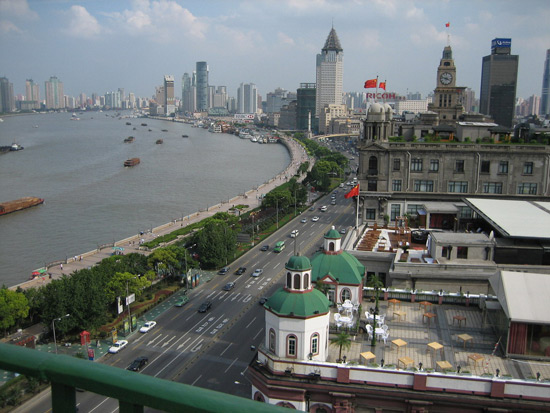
(354, 192)
(382, 85)
(447, 24)
(370, 83)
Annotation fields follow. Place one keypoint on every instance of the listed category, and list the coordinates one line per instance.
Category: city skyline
(94, 47)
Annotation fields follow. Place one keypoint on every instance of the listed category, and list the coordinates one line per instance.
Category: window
(458, 186)
(412, 209)
(396, 185)
(434, 165)
(492, 187)
(345, 294)
(397, 164)
(291, 344)
(306, 280)
(527, 189)
(528, 168)
(370, 213)
(465, 212)
(272, 340)
(416, 165)
(462, 252)
(373, 165)
(315, 343)
(503, 167)
(485, 167)
(459, 166)
(296, 281)
(288, 280)
(423, 186)
(395, 211)
(372, 185)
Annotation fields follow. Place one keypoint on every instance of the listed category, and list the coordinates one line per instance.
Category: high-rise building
(545, 95)
(7, 98)
(188, 93)
(32, 93)
(499, 75)
(305, 107)
(247, 98)
(471, 104)
(330, 73)
(54, 93)
(169, 106)
(220, 97)
(202, 86)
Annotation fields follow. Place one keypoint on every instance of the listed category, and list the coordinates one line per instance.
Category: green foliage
(14, 307)
(216, 243)
(343, 341)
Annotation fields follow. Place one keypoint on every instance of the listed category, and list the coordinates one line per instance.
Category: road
(213, 349)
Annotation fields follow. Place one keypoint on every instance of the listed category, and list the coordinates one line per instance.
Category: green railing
(132, 390)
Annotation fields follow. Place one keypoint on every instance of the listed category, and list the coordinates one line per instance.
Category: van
(279, 246)
(294, 233)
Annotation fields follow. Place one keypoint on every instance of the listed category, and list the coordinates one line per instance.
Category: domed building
(339, 270)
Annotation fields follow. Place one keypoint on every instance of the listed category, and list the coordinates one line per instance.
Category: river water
(91, 199)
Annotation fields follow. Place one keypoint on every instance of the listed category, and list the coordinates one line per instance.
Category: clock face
(446, 78)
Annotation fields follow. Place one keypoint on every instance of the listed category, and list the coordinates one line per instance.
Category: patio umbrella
(35, 273)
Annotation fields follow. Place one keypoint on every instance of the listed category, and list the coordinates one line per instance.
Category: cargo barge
(132, 162)
(19, 204)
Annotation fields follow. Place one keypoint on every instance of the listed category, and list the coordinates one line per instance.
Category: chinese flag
(382, 85)
(370, 83)
(447, 24)
(354, 192)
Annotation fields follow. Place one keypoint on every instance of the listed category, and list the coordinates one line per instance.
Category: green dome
(308, 304)
(344, 268)
(333, 234)
(298, 263)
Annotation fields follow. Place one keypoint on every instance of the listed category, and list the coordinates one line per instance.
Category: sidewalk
(251, 198)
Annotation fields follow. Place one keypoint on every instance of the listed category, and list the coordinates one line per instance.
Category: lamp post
(53, 329)
(128, 301)
(277, 208)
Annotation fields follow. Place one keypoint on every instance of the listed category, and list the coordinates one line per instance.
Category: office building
(169, 106)
(54, 94)
(305, 107)
(330, 73)
(7, 98)
(499, 74)
(411, 106)
(247, 98)
(202, 87)
(188, 93)
(32, 93)
(220, 97)
(545, 95)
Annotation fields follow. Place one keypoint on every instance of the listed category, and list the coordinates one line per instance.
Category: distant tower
(499, 76)
(247, 98)
(545, 95)
(54, 93)
(7, 98)
(330, 73)
(305, 106)
(169, 107)
(202, 86)
(32, 93)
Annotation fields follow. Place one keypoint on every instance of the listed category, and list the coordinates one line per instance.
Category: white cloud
(17, 8)
(415, 13)
(386, 7)
(285, 39)
(8, 27)
(427, 34)
(82, 23)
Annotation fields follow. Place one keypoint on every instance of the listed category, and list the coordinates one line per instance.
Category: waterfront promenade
(251, 198)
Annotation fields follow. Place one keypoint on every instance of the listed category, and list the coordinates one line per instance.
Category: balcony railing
(133, 391)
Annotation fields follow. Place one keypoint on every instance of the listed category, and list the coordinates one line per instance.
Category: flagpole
(376, 94)
(357, 211)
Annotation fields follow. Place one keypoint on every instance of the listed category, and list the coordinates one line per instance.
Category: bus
(279, 246)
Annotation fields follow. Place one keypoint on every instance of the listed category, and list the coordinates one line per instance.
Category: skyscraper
(499, 74)
(202, 87)
(188, 96)
(32, 93)
(330, 73)
(7, 99)
(247, 98)
(545, 95)
(169, 107)
(54, 93)
(305, 107)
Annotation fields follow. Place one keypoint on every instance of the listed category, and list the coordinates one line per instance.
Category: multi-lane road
(213, 349)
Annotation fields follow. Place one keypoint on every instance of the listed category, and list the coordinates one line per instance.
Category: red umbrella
(35, 273)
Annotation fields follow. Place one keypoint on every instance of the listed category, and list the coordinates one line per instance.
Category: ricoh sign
(385, 96)
(501, 43)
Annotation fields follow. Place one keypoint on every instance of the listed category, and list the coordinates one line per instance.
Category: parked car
(182, 301)
(223, 271)
(315, 219)
(119, 345)
(240, 271)
(205, 306)
(138, 363)
(257, 272)
(229, 286)
(147, 326)
(264, 248)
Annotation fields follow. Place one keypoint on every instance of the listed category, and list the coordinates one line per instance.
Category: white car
(147, 326)
(257, 272)
(303, 221)
(119, 345)
(315, 219)
(294, 234)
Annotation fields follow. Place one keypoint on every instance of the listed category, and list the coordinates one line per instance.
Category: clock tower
(448, 98)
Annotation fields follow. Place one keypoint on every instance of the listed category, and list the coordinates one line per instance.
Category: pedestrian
(61, 266)
(81, 258)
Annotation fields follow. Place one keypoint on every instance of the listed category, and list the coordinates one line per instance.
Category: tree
(123, 282)
(14, 306)
(342, 340)
(164, 261)
(216, 243)
(375, 282)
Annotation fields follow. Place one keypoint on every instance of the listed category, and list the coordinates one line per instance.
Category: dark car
(229, 286)
(419, 236)
(223, 271)
(138, 363)
(205, 306)
(264, 248)
(263, 300)
(240, 271)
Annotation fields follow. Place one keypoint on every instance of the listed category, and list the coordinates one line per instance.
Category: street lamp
(53, 329)
(128, 300)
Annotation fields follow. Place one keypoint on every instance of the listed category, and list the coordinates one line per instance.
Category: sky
(97, 46)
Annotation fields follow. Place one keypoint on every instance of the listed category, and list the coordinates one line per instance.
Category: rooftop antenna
(447, 25)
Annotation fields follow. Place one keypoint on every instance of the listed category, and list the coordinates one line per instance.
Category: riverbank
(252, 198)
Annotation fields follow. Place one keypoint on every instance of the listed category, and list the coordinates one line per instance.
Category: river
(91, 199)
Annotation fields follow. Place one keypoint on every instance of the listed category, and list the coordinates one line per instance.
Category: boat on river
(129, 139)
(132, 162)
(16, 147)
(19, 204)
(159, 141)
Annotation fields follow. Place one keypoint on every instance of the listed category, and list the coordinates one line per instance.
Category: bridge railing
(132, 390)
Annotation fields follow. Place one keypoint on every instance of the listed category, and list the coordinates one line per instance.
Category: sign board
(130, 299)
(501, 43)
(243, 116)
